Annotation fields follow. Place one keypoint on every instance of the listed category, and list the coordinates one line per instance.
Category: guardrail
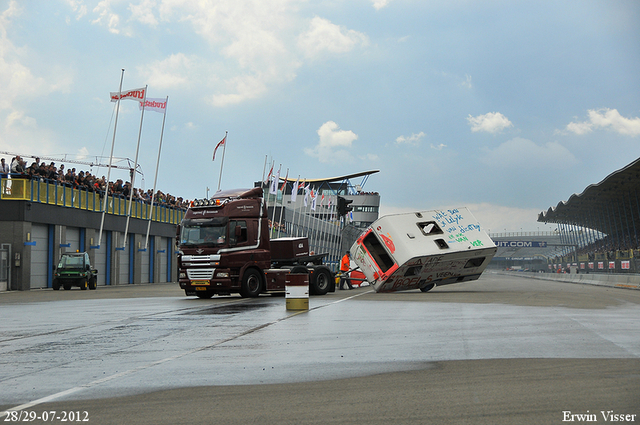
(21, 189)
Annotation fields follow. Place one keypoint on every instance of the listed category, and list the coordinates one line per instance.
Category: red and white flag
(221, 143)
(284, 184)
(134, 94)
(156, 105)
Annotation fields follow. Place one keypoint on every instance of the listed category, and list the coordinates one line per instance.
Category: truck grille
(200, 274)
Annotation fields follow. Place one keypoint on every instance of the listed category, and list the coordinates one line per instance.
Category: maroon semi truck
(224, 247)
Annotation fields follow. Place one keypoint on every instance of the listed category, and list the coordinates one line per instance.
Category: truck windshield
(204, 232)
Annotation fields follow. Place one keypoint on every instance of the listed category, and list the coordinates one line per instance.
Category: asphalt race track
(501, 350)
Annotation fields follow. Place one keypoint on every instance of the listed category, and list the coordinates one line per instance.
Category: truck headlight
(222, 274)
(183, 275)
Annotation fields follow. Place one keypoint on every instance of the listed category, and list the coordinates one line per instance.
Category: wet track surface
(66, 346)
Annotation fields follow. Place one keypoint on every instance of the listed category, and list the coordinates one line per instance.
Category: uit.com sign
(521, 244)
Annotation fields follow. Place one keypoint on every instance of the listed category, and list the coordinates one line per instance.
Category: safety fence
(21, 189)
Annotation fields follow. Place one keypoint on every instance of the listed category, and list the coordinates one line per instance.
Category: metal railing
(21, 189)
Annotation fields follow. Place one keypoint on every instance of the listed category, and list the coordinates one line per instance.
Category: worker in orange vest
(345, 265)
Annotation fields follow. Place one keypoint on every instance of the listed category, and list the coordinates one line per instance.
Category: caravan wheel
(428, 287)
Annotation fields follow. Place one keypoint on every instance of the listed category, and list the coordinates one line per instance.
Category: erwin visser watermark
(602, 416)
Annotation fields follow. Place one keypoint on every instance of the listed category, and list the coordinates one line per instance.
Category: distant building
(326, 231)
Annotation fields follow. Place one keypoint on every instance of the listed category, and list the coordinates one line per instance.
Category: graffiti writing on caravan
(448, 217)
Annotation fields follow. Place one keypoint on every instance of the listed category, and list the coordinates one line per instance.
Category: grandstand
(600, 225)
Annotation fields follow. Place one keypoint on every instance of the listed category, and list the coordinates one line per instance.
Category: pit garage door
(144, 256)
(39, 251)
(100, 258)
(73, 240)
(162, 261)
(121, 258)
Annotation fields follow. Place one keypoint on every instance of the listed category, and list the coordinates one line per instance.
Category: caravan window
(378, 252)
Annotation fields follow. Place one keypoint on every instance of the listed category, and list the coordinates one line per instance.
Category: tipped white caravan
(423, 249)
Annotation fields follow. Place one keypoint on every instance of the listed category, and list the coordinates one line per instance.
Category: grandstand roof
(611, 206)
(335, 179)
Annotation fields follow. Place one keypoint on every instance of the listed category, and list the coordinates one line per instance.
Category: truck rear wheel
(320, 281)
(83, 284)
(251, 284)
(93, 284)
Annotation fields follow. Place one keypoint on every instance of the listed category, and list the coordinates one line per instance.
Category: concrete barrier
(627, 281)
(297, 291)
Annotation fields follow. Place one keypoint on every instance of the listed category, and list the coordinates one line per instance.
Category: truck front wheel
(251, 284)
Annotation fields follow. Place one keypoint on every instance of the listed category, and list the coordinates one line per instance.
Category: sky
(504, 107)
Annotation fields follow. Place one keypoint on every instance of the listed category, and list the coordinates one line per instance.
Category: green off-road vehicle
(74, 269)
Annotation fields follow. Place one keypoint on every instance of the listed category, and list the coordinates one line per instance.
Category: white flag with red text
(156, 105)
(134, 94)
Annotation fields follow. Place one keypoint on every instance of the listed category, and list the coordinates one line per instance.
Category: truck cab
(224, 247)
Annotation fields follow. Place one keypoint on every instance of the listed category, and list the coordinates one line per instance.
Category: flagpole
(155, 179)
(113, 142)
(308, 220)
(224, 148)
(275, 201)
(282, 201)
(295, 201)
(264, 168)
(266, 195)
(135, 168)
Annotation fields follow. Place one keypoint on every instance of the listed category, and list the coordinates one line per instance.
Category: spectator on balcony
(4, 169)
(17, 165)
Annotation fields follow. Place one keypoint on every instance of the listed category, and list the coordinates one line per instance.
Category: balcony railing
(21, 189)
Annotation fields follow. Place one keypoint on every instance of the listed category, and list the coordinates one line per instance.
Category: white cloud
(609, 119)
(467, 83)
(83, 153)
(413, 140)
(493, 122)
(379, 4)
(255, 45)
(174, 71)
(18, 129)
(78, 7)
(524, 154)
(333, 142)
(496, 218)
(143, 12)
(106, 16)
(324, 36)
(438, 147)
